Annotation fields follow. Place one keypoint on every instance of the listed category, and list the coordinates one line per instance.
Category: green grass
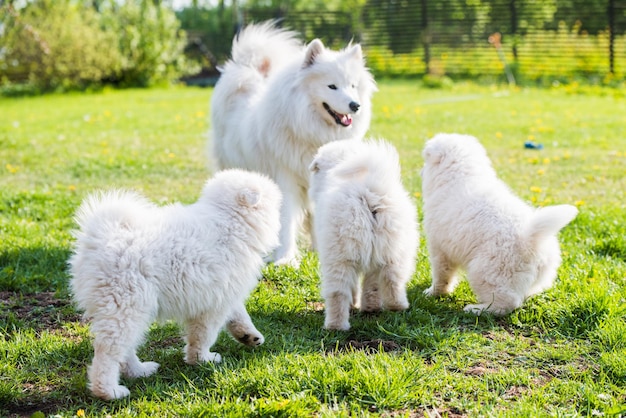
(562, 354)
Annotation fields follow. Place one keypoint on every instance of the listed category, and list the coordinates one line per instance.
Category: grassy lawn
(562, 354)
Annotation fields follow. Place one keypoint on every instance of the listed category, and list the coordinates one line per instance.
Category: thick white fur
(135, 262)
(473, 220)
(365, 224)
(268, 115)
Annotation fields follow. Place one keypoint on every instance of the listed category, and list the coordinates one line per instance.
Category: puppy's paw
(431, 292)
(397, 306)
(203, 358)
(110, 393)
(252, 339)
(288, 261)
(245, 333)
(145, 369)
(337, 326)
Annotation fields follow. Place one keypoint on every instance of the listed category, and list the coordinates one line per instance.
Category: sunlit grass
(561, 354)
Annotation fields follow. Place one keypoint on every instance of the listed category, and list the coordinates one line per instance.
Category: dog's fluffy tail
(264, 47)
(120, 207)
(376, 163)
(548, 221)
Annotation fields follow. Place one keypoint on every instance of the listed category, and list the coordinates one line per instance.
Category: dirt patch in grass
(39, 310)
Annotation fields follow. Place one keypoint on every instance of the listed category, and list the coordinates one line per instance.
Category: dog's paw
(288, 261)
(209, 356)
(145, 369)
(245, 333)
(397, 306)
(251, 340)
(431, 292)
(212, 357)
(337, 326)
(110, 393)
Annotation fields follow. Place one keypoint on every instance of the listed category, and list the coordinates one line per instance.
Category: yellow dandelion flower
(417, 111)
(80, 413)
(579, 203)
(107, 114)
(71, 188)
(567, 156)
(546, 161)
(499, 135)
(417, 194)
(171, 155)
(199, 114)
(535, 189)
(531, 137)
(12, 168)
(541, 172)
(178, 117)
(386, 110)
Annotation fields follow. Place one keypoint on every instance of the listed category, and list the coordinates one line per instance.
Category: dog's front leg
(290, 220)
(240, 326)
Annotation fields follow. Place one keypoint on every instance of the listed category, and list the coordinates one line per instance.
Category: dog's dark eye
(332, 87)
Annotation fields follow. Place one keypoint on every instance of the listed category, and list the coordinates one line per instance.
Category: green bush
(150, 42)
(65, 45)
(55, 44)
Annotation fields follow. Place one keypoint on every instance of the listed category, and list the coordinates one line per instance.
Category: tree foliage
(66, 44)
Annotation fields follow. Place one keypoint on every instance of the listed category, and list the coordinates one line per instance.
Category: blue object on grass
(532, 145)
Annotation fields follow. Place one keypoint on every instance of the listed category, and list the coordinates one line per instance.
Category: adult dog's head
(339, 86)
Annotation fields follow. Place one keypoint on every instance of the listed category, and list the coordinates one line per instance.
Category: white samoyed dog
(365, 224)
(135, 262)
(276, 103)
(473, 220)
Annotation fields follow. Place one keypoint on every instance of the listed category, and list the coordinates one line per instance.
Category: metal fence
(508, 39)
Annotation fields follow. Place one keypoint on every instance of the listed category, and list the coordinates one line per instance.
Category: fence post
(611, 11)
(426, 35)
(513, 9)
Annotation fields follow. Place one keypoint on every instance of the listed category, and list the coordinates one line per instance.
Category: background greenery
(562, 354)
(64, 45)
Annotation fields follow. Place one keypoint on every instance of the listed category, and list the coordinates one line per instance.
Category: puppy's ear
(314, 167)
(315, 48)
(248, 198)
(432, 154)
(356, 52)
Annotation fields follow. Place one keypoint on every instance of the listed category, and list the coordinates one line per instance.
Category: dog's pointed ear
(315, 48)
(248, 198)
(356, 52)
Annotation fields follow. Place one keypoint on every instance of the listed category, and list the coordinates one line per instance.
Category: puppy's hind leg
(337, 290)
(240, 326)
(116, 338)
(371, 300)
(393, 288)
(202, 332)
(444, 275)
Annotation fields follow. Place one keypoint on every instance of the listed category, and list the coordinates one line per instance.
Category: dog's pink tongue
(346, 120)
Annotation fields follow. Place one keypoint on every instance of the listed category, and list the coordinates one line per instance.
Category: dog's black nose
(354, 106)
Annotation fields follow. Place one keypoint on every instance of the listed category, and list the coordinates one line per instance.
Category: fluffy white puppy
(276, 103)
(365, 224)
(135, 262)
(473, 220)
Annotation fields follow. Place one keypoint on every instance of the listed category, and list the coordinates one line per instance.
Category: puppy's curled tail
(264, 47)
(548, 221)
(122, 207)
(376, 164)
